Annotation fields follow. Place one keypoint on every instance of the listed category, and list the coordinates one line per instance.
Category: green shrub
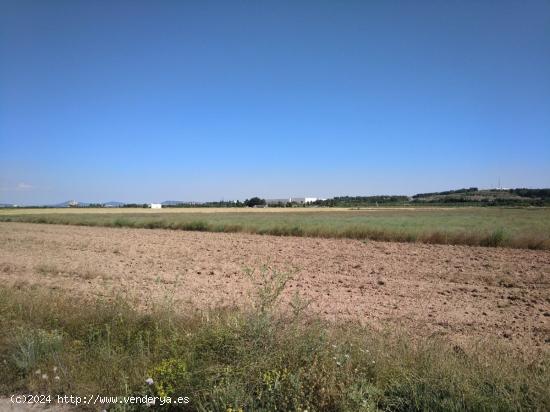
(170, 377)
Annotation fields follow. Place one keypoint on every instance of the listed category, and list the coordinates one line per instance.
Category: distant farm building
(311, 199)
(156, 206)
(286, 200)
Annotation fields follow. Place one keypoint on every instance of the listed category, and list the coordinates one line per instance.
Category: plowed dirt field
(457, 291)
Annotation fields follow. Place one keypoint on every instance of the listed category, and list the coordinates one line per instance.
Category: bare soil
(457, 291)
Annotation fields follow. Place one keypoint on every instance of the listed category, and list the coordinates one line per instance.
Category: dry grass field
(510, 227)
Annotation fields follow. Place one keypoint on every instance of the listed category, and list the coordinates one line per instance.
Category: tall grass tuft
(495, 238)
(32, 347)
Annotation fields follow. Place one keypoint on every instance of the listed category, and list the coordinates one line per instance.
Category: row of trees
(542, 194)
(447, 192)
(254, 201)
(355, 201)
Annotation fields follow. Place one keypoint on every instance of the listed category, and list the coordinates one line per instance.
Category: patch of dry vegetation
(516, 228)
(254, 359)
(47, 269)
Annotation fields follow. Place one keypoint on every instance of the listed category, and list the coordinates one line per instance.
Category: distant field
(509, 227)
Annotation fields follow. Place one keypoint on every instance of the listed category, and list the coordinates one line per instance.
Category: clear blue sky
(156, 100)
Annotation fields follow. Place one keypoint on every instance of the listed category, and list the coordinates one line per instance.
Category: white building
(155, 206)
(311, 199)
(297, 200)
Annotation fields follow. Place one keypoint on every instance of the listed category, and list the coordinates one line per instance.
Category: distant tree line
(254, 201)
(355, 201)
(542, 194)
(466, 196)
(448, 192)
(221, 203)
(490, 197)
